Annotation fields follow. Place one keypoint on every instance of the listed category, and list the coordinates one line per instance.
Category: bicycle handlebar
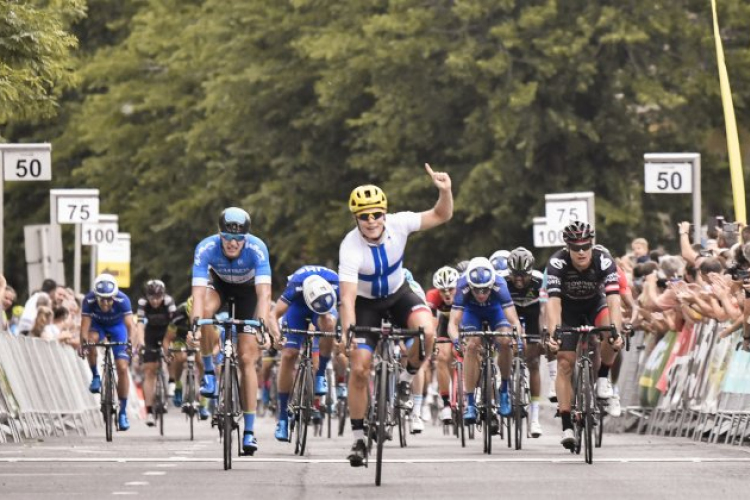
(314, 333)
(184, 349)
(257, 325)
(598, 330)
(393, 332)
(104, 343)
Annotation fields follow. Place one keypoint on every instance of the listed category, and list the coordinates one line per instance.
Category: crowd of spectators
(51, 313)
(704, 281)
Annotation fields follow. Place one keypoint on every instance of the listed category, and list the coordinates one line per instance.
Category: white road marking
(137, 483)
(154, 473)
(124, 492)
(164, 462)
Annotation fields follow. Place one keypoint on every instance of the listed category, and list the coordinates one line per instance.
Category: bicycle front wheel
(488, 388)
(108, 402)
(459, 382)
(382, 397)
(190, 400)
(161, 391)
(518, 403)
(588, 414)
(226, 414)
(306, 407)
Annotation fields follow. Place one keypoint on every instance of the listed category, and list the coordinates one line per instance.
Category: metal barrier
(43, 390)
(692, 384)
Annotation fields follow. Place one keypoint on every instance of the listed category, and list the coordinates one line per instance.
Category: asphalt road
(141, 463)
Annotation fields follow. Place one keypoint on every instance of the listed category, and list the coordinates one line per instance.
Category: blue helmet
(105, 286)
(319, 294)
(234, 220)
(480, 273)
(499, 260)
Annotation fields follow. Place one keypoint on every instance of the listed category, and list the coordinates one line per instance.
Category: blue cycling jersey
(120, 308)
(499, 296)
(293, 292)
(252, 265)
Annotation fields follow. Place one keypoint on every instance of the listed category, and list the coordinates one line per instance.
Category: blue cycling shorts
(475, 316)
(296, 318)
(117, 333)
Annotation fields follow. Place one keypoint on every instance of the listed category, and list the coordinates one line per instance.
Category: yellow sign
(120, 270)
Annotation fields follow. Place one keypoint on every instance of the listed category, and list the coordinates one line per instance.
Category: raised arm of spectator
(685, 247)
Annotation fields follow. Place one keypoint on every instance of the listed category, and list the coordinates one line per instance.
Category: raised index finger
(429, 169)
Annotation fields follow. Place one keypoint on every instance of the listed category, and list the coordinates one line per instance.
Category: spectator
(58, 329)
(639, 247)
(3, 318)
(43, 319)
(29, 309)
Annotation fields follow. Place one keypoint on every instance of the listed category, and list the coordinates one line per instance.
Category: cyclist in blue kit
(311, 294)
(106, 312)
(233, 264)
(482, 296)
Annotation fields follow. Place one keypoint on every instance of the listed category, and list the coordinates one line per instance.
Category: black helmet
(155, 288)
(234, 220)
(521, 261)
(577, 231)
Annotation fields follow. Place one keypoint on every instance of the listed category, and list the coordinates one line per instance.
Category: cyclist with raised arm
(157, 310)
(440, 300)
(177, 337)
(373, 288)
(583, 289)
(482, 296)
(525, 287)
(311, 295)
(233, 264)
(106, 311)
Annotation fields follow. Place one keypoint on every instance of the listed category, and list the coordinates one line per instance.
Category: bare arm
(263, 308)
(443, 209)
(199, 299)
(454, 323)
(685, 249)
(278, 312)
(348, 294)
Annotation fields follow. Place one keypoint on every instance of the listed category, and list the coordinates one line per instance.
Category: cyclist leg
(496, 318)
(566, 358)
(417, 387)
(94, 335)
(325, 323)
(208, 341)
(118, 333)
(607, 355)
(533, 353)
(470, 321)
(248, 353)
(150, 358)
(285, 376)
(444, 367)
(410, 311)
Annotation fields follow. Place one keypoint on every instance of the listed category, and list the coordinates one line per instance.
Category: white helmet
(105, 286)
(499, 260)
(319, 294)
(444, 278)
(480, 273)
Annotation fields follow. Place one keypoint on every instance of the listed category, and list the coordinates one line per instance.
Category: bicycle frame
(190, 403)
(109, 401)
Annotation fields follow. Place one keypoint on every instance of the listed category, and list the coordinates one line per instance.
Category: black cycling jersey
(527, 302)
(157, 319)
(181, 322)
(566, 282)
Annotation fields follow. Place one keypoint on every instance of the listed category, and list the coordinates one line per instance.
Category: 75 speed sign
(670, 178)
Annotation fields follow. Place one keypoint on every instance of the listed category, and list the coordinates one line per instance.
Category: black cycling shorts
(442, 327)
(397, 307)
(153, 341)
(580, 313)
(243, 294)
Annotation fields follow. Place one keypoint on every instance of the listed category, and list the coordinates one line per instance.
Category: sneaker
(613, 406)
(446, 415)
(470, 414)
(203, 413)
(568, 439)
(358, 453)
(123, 422)
(552, 394)
(427, 412)
(249, 444)
(404, 395)
(266, 396)
(321, 385)
(417, 425)
(177, 397)
(171, 388)
(341, 391)
(150, 420)
(603, 388)
(505, 408)
(536, 429)
(96, 385)
(282, 431)
(208, 385)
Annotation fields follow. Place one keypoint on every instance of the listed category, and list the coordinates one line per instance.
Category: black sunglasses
(371, 216)
(580, 248)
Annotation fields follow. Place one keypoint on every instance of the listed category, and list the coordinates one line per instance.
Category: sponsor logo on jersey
(605, 262)
(557, 263)
(258, 252)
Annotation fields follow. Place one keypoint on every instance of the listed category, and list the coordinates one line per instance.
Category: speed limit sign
(27, 162)
(668, 178)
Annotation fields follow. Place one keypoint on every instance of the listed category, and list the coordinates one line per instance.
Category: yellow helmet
(367, 197)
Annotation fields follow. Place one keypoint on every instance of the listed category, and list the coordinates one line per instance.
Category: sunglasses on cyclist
(233, 236)
(105, 300)
(584, 247)
(371, 216)
(482, 291)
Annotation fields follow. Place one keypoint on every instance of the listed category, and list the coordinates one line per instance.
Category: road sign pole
(2, 215)
(697, 198)
(77, 261)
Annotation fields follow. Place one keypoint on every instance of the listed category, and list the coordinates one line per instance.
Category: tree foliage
(187, 106)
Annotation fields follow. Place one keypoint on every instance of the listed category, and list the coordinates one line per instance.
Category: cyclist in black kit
(583, 289)
(157, 309)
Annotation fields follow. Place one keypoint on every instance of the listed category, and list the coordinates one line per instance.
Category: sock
(267, 394)
(417, 409)
(249, 421)
(534, 410)
(340, 380)
(149, 409)
(603, 371)
(406, 376)
(446, 399)
(283, 401)
(470, 399)
(95, 371)
(322, 364)
(208, 364)
(123, 405)
(504, 385)
(358, 428)
(567, 422)
(552, 367)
